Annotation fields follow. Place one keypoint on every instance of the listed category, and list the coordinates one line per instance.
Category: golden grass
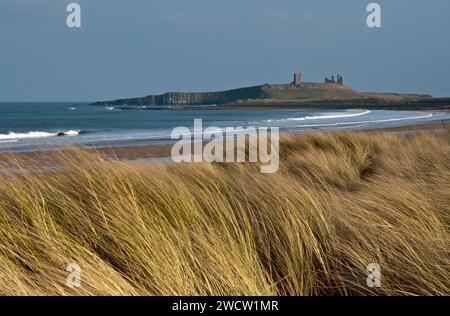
(339, 202)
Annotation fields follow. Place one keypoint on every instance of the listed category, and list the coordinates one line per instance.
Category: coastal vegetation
(339, 202)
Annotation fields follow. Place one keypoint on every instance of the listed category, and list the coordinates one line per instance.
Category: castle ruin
(297, 80)
(339, 80)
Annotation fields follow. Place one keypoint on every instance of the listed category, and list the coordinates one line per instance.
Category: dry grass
(339, 202)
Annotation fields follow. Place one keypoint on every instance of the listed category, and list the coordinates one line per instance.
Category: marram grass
(339, 202)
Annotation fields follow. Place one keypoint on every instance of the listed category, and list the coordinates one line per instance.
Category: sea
(43, 126)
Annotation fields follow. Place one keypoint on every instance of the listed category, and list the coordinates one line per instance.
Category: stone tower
(297, 80)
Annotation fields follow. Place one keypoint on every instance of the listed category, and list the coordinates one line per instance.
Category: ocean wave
(12, 136)
(320, 117)
(113, 108)
(371, 121)
(8, 141)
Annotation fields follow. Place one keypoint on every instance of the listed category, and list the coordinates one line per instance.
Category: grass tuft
(339, 202)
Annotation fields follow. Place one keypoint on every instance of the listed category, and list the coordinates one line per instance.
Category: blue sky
(139, 47)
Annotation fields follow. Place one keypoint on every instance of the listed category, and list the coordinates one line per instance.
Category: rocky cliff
(194, 98)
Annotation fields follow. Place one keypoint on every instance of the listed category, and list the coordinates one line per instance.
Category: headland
(332, 93)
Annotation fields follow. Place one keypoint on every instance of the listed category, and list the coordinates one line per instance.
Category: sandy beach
(149, 152)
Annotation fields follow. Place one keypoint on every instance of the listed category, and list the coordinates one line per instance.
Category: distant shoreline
(298, 94)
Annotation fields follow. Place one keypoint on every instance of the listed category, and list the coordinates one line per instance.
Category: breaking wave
(37, 134)
(321, 117)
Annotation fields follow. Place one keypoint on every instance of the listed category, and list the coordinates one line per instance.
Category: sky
(135, 48)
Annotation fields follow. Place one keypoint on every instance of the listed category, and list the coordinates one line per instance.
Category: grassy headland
(339, 202)
(308, 95)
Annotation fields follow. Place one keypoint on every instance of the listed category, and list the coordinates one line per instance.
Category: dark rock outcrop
(194, 98)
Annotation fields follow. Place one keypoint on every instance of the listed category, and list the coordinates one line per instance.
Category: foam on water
(12, 136)
(323, 117)
(368, 122)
